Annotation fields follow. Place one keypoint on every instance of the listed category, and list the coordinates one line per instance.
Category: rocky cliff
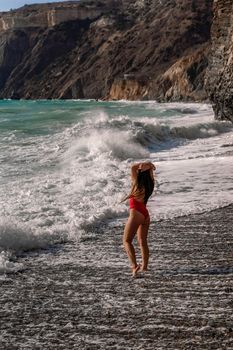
(220, 71)
(108, 49)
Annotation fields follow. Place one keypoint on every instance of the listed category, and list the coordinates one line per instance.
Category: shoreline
(82, 295)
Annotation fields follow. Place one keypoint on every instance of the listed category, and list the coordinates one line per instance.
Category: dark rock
(219, 82)
(12, 49)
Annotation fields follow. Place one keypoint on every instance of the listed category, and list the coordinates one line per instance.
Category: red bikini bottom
(139, 206)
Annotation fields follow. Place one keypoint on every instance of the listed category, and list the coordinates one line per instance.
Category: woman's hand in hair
(146, 166)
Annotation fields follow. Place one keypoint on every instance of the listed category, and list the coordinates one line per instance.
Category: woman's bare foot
(135, 270)
(142, 269)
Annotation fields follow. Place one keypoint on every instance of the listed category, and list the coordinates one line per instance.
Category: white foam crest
(202, 130)
(158, 132)
(97, 219)
(92, 196)
(116, 144)
(16, 238)
(19, 237)
(105, 132)
(181, 107)
(98, 117)
(6, 265)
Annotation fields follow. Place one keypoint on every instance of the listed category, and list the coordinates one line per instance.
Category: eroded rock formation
(106, 49)
(129, 88)
(220, 71)
(184, 80)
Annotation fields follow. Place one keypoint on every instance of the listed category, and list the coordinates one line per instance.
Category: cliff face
(184, 80)
(128, 88)
(219, 82)
(106, 49)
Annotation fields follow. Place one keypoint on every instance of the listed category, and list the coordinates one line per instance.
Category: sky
(6, 5)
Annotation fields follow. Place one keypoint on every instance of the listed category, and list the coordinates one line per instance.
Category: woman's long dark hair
(144, 181)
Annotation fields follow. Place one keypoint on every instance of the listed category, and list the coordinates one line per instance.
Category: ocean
(65, 167)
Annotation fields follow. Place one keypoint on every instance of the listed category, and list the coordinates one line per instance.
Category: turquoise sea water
(64, 166)
(44, 117)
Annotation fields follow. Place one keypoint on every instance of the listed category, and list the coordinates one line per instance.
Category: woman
(139, 219)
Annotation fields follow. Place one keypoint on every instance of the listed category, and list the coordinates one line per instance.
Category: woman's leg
(134, 221)
(142, 234)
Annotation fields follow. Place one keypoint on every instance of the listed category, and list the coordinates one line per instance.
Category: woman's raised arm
(134, 171)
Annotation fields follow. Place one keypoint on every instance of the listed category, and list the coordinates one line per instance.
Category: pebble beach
(82, 295)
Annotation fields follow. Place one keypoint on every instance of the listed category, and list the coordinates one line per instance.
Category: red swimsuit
(139, 206)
